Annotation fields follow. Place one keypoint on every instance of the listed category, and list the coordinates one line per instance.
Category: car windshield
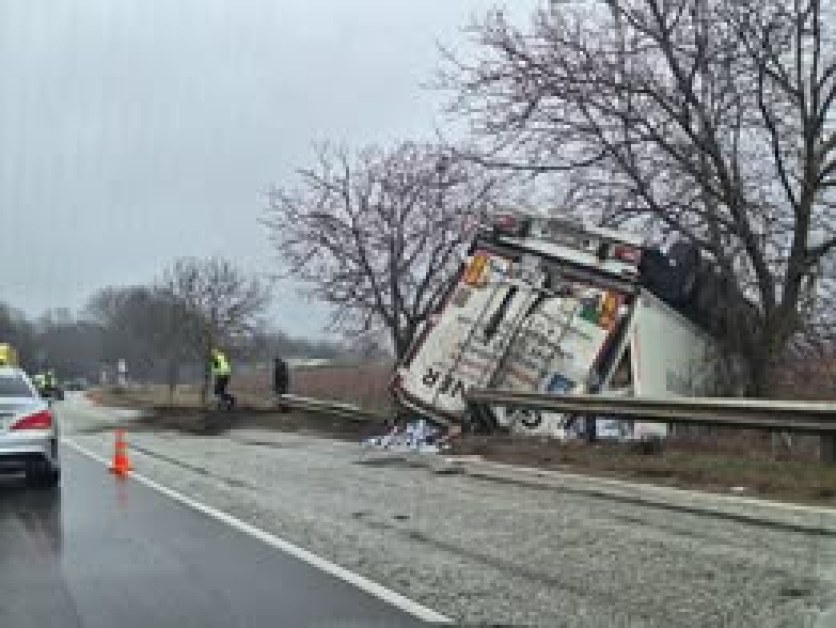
(14, 385)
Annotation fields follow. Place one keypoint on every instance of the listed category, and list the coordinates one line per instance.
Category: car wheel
(40, 474)
(54, 478)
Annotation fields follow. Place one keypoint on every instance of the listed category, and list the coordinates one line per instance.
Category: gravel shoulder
(727, 461)
(487, 552)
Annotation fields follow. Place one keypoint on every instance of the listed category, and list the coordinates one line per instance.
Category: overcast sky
(136, 131)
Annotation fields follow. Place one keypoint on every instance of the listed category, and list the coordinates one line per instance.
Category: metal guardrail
(337, 408)
(811, 417)
(786, 416)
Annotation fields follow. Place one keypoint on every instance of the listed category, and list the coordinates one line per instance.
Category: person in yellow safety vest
(221, 372)
(49, 380)
(8, 355)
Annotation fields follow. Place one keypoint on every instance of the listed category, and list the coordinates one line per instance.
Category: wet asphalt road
(103, 552)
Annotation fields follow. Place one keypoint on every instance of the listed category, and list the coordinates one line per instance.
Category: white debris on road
(418, 436)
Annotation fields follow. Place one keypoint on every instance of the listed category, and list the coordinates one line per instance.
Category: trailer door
(559, 348)
(465, 345)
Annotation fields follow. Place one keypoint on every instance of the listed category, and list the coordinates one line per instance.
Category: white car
(28, 430)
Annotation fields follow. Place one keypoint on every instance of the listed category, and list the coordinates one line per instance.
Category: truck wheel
(53, 478)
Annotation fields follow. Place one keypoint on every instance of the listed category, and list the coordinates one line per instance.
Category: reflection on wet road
(32, 588)
(102, 552)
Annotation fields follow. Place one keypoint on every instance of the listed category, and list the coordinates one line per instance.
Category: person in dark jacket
(281, 381)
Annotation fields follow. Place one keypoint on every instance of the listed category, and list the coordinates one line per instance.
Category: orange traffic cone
(121, 465)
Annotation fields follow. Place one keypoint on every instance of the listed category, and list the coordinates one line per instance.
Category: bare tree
(128, 326)
(146, 326)
(378, 234)
(709, 118)
(218, 303)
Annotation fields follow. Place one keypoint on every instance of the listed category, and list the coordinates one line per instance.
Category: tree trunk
(764, 346)
(207, 376)
(204, 387)
(172, 376)
(402, 341)
(760, 372)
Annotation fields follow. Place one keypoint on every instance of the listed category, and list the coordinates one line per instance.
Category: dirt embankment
(682, 464)
(737, 464)
(186, 415)
(213, 422)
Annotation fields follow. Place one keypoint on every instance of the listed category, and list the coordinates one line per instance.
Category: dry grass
(366, 385)
(194, 421)
(677, 465)
(148, 396)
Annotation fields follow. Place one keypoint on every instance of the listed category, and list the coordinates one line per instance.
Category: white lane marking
(364, 584)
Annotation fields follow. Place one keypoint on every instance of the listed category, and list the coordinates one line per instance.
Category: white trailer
(542, 305)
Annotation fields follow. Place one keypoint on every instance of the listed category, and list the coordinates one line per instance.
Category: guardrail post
(827, 448)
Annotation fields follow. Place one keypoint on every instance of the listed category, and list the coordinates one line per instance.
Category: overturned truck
(542, 304)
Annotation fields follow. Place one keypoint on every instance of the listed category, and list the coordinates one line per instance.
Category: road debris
(417, 436)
